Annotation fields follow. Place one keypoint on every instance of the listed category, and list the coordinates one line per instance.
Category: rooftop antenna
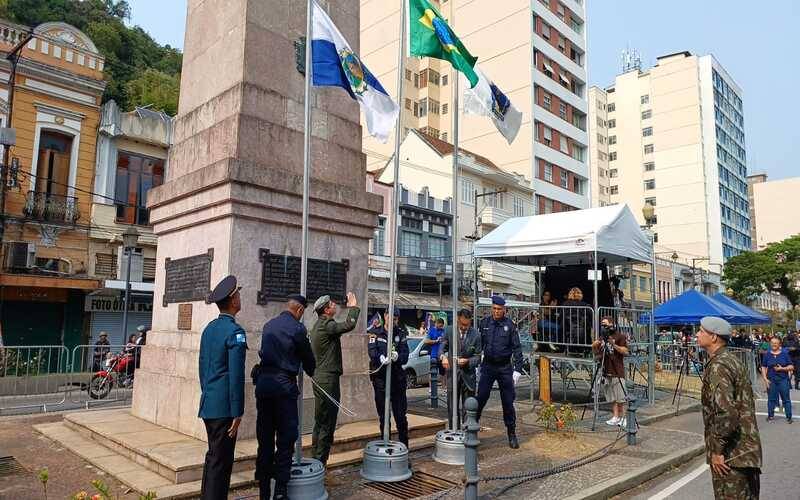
(631, 60)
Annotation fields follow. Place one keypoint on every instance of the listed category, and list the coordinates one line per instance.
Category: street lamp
(129, 239)
(648, 211)
(440, 280)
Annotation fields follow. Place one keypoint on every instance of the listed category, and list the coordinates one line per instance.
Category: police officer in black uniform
(379, 358)
(502, 361)
(284, 346)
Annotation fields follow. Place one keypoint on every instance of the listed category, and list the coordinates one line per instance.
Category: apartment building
(535, 51)
(673, 137)
(770, 202)
(487, 197)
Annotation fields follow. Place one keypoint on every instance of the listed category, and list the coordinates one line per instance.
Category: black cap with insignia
(299, 299)
(223, 290)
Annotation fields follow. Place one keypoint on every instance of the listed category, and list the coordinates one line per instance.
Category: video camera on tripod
(606, 331)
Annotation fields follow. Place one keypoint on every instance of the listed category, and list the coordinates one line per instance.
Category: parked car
(418, 368)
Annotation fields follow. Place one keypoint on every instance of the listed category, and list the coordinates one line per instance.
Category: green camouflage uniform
(326, 344)
(730, 426)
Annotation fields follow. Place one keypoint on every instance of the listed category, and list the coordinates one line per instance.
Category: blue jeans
(779, 387)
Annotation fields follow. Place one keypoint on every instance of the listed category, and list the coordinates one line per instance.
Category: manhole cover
(9, 466)
(420, 485)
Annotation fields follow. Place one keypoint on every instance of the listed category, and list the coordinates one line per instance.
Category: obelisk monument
(232, 200)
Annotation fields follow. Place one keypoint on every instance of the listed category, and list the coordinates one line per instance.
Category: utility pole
(475, 238)
(13, 57)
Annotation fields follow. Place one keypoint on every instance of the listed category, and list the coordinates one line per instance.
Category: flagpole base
(385, 462)
(307, 480)
(449, 448)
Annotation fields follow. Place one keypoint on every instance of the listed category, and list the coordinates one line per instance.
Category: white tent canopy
(568, 238)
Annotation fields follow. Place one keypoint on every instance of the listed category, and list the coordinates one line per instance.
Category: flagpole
(454, 420)
(398, 136)
(298, 447)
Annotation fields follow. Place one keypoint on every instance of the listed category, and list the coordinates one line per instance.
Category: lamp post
(648, 211)
(440, 280)
(475, 238)
(129, 239)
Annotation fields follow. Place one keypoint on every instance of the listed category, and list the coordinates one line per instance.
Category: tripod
(598, 371)
(684, 370)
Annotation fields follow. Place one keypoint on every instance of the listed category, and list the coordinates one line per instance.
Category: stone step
(141, 479)
(179, 458)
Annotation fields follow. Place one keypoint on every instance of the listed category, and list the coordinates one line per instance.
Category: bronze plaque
(184, 316)
(280, 277)
(187, 279)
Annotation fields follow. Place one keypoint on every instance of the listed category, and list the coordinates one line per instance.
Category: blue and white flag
(486, 99)
(335, 65)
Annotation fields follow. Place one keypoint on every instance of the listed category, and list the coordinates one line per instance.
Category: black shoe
(281, 492)
(264, 490)
(770, 419)
(513, 443)
(788, 420)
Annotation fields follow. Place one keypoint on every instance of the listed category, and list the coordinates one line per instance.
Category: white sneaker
(614, 421)
(622, 422)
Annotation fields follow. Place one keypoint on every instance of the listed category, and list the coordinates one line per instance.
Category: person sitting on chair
(577, 317)
(549, 315)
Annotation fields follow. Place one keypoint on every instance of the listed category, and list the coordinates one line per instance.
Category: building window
(601, 172)
(612, 139)
(650, 201)
(437, 247)
(547, 134)
(649, 166)
(602, 156)
(408, 104)
(612, 123)
(612, 156)
(647, 131)
(410, 222)
(467, 192)
(444, 80)
(136, 175)
(547, 101)
(423, 107)
(423, 79)
(444, 108)
(577, 185)
(545, 31)
(519, 207)
(645, 99)
(444, 136)
(433, 77)
(548, 206)
(564, 143)
(646, 114)
(379, 237)
(648, 149)
(52, 171)
(439, 229)
(601, 139)
(642, 283)
(649, 184)
(611, 107)
(548, 172)
(614, 189)
(410, 244)
(562, 110)
(564, 180)
(408, 75)
(600, 122)
(613, 173)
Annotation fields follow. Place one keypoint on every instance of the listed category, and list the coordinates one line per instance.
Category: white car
(418, 368)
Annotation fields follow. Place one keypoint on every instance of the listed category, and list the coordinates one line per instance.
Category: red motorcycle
(118, 369)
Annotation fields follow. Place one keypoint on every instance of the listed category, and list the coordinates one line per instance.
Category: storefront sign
(187, 279)
(280, 277)
(106, 303)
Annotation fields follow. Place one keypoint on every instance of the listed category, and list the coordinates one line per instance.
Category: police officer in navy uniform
(284, 347)
(502, 361)
(222, 353)
(379, 359)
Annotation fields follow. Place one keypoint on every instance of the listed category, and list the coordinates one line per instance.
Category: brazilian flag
(430, 36)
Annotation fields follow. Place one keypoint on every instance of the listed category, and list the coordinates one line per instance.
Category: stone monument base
(148, 457)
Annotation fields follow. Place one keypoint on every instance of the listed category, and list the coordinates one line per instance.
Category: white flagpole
(298, 447)
(394, 220)
(454, 281)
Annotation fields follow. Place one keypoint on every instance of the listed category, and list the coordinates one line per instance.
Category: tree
(155, 90)
(775, 268)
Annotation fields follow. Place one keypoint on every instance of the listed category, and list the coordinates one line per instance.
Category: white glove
(516, 376)
(395, 355)
(384, 360)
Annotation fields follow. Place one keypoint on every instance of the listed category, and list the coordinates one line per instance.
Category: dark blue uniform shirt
(284, 347)
(377, 347)
(223, 346)
(500, 342)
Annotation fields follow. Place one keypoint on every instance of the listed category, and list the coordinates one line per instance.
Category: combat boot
(513, 442)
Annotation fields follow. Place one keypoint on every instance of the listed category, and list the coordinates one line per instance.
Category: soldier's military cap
(223, 290)
(321, 302)
(299, 299)
(715, 325)
(498, 300)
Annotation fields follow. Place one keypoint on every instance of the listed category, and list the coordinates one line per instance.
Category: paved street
(692, 481)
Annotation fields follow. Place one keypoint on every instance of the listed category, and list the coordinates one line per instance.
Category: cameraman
(611, 348)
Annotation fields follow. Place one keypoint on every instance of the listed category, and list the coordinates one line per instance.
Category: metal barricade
(563, 328)
(102, 375)
(33, 377)
(635, 325)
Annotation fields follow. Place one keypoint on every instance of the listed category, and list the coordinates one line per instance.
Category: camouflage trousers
(742, 483)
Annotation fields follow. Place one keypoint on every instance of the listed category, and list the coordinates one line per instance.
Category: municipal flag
(430, 36)
(486, 99)
(336, 65)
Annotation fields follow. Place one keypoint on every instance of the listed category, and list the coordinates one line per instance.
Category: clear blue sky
(756, 42)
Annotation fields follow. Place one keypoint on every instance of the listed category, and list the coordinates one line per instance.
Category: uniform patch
(396, 338)
(241, 338)
(371, 339)
(505, 328)
(382, 340)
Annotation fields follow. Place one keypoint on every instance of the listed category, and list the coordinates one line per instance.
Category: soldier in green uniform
(327, 346)
(733, 445)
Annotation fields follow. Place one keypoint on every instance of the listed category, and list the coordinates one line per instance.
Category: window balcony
(47, 207)
(493, 217)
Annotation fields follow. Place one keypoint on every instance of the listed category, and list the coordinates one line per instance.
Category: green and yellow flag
(430, 36)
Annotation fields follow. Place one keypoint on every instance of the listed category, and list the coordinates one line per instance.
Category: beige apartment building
(535, 52)
(771, 202)
(673, 136)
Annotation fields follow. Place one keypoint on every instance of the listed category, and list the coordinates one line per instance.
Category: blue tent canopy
(690, 307)
(752, 317)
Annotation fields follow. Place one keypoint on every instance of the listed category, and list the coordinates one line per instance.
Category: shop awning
(409, 300)
(31, 280)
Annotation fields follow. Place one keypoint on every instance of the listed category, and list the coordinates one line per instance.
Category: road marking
(688, 478)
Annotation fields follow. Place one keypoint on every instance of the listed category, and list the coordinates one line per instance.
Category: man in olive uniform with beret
(733, 445)
(222, 353)
(326, 342)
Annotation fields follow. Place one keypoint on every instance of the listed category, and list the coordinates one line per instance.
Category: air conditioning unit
(137, 265)
(20, 255)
